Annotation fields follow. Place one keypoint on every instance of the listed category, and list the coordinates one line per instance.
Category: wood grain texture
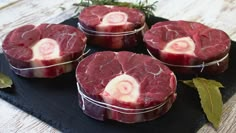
(228, 122)
(13, 13)
(15, 120)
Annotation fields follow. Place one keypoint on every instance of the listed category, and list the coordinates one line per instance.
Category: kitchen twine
(100, 33)
(202, 66)
(58, 64)
(116, 108)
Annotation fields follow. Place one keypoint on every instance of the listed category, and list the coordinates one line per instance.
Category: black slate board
(55, 101)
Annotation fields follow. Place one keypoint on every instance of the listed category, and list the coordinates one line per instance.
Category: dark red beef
(30, 47)
(112, 20)
(189, 44)
(125, 80)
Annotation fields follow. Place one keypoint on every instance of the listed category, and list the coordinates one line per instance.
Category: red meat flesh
(30, 49)
(185, 43)
(112, 20)
(129, 81)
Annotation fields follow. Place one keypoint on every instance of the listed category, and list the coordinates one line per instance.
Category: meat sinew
(124, 86)
(45, 51)
(112, 27)
(189, 47)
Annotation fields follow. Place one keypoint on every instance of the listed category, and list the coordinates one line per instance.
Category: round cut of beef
(112, 27)
(189, 47)
(43, 51)
(124, 86)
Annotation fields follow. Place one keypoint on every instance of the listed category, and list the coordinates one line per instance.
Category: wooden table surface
(220, 14)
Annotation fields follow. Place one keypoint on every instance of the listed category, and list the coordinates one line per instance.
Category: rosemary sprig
(147, 9)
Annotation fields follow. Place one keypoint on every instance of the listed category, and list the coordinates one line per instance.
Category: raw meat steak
(189, 47)
(30, 50)
(112, 27)
(124, 86)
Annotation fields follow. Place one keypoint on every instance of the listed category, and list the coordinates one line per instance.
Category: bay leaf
(189, 83)
(5, 81)
(211, 99)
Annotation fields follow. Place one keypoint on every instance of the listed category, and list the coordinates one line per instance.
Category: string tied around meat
(202, 66)
(53, 65)
(101, 33)
(85, 98)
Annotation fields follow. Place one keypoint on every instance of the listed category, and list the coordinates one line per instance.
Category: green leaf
(5, 81)
(147, 9)
(211, 99)
(189, 83)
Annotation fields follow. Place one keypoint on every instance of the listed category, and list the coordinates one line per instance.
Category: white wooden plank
(13, 119)
(6, 3)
